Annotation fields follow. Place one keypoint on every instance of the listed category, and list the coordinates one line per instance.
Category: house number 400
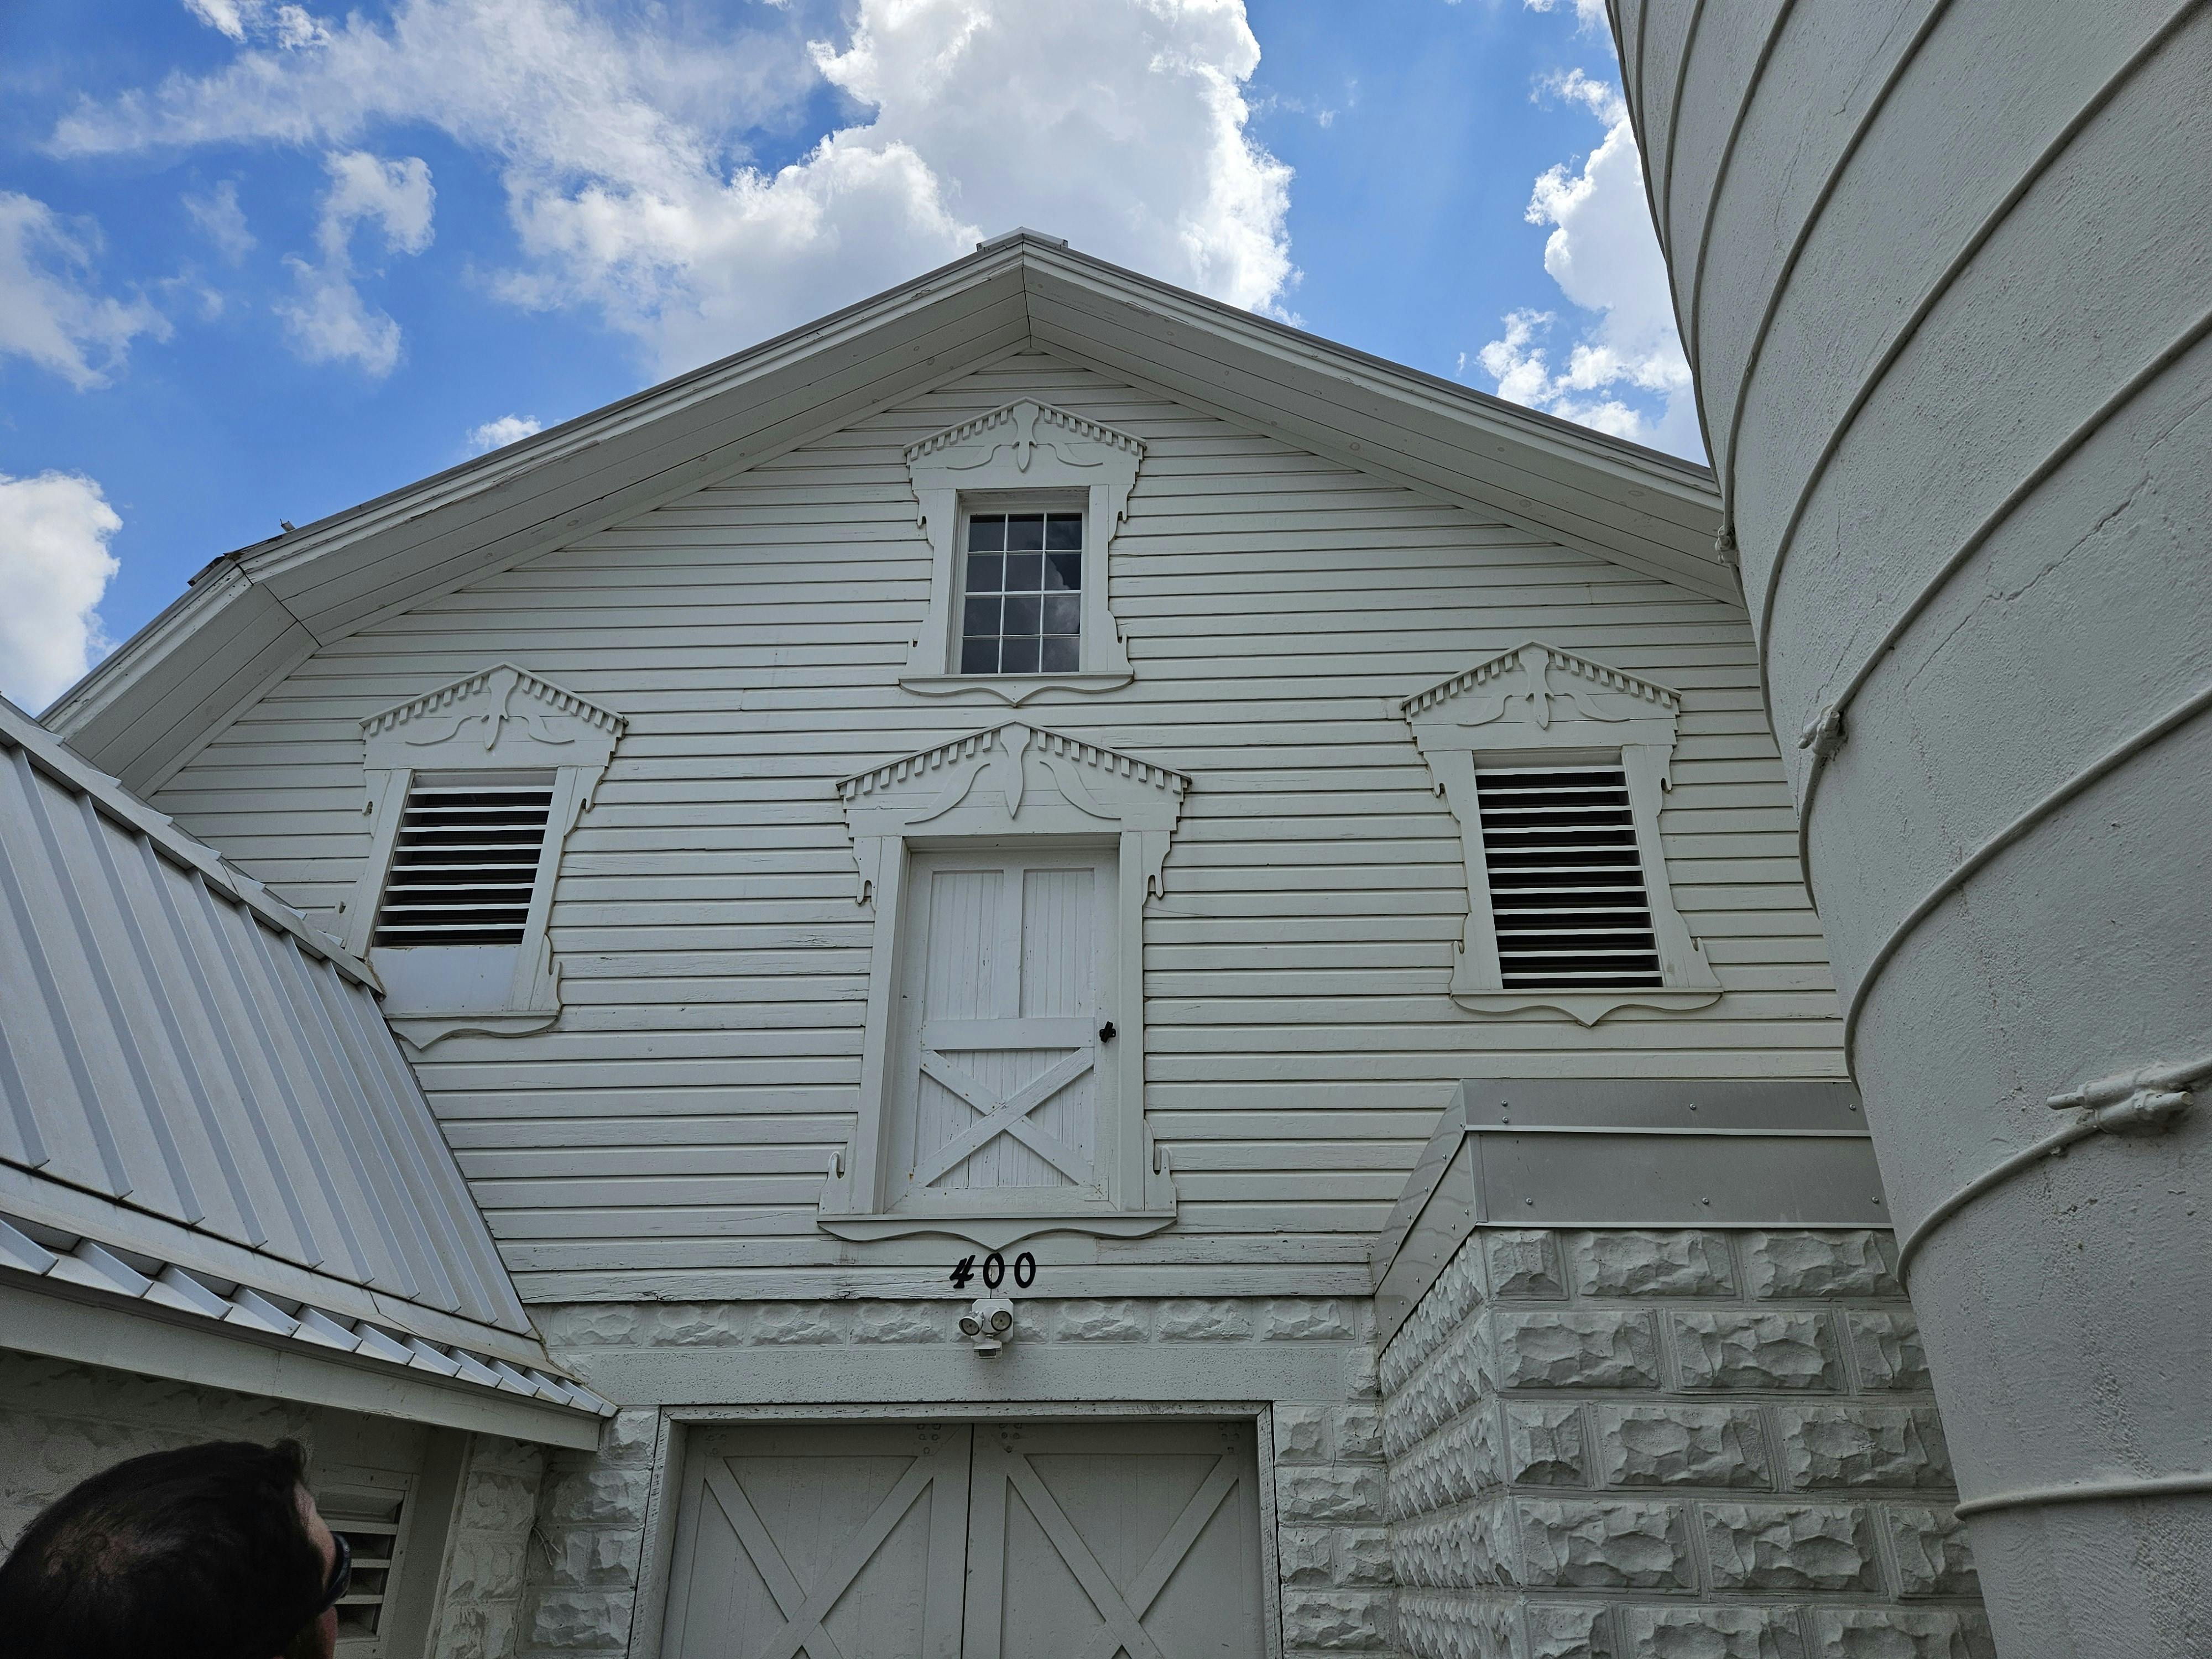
(994, 1270)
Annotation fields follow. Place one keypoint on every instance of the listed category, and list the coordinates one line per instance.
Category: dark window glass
(1036, 626)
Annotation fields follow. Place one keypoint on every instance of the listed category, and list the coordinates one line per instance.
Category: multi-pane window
(1022, 606)
(1566, 880)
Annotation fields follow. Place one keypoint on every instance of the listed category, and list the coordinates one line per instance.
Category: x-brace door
(829, 1542)
(1005, 1052)
(1121, 1542)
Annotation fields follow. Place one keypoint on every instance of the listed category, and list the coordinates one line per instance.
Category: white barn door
(1005, 1540)
(829, 1542)
(1117, 1542)
(1001, 1066)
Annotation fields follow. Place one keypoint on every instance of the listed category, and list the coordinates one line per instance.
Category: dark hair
(197, 1553)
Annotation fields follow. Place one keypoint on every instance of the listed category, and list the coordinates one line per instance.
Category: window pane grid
(1021, 604)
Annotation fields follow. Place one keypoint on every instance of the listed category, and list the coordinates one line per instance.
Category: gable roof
(202, 1108)
(254, 614)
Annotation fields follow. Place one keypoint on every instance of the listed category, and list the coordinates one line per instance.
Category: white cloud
(1605, 257)
(329, 320)
(47, 313)
(497, 435)
(227, 15)
(1589, 15)
(222, 221)
(54, 566)
(290, 27)
(620, 138)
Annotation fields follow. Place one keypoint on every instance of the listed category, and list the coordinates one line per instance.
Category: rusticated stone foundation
(1671, 1445)
(1333, 1550)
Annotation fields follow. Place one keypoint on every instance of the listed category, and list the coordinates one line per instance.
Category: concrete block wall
(1688, 1444)
(1332, 1551)
(62, 1423)
(487, 1560)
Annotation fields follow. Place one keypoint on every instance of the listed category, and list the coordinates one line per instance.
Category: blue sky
(261, 260)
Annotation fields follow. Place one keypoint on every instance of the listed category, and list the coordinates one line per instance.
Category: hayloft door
(1005, 1047)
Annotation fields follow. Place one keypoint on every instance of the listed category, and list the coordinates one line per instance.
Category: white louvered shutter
(465, 861)
(1566, 881)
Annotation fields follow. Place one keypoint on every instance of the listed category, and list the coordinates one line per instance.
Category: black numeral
(994, 1270)
(1025, 1270)
(963, 1271)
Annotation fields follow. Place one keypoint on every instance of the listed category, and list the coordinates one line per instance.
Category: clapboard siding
(1273, 601)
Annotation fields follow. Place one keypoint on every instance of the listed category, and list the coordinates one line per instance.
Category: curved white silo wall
(1945, 275)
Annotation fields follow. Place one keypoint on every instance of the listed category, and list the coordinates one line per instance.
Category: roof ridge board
(643, 407)
(1541, 528)
(110, 680)
(1393, 385)
(1510, 414)
(52, 756)
(679, 482)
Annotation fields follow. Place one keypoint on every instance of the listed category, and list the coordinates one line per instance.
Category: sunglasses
(340, 1575)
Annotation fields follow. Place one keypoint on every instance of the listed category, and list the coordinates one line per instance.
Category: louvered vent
(1566, 885)
(464, 863)
(369, 1520)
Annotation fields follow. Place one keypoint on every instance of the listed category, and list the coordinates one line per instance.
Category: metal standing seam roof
(194, 1076)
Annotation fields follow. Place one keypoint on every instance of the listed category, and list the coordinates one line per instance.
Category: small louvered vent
(1566, 885)
(369, 1521)
(464, 863)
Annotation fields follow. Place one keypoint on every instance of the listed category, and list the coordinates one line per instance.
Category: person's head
(211, 1552)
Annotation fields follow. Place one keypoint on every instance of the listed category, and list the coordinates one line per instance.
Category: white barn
(1043, 787)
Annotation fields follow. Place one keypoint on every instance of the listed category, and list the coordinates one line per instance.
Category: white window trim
(501, 719)
(1537, 705)
(1024, 448)
(1017, 783)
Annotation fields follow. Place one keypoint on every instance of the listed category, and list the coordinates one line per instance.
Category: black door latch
(1106, 1032)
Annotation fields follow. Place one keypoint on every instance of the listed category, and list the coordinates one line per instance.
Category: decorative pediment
(502, 716)
(1013, 779)
(1020, 430)
(1536, 684)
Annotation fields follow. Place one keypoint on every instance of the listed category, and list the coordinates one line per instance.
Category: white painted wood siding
(672, 1133)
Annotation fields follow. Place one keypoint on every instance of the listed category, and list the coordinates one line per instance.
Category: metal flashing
(1610, 1153)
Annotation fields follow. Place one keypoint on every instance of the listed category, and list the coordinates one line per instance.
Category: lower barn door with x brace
(998, 1541)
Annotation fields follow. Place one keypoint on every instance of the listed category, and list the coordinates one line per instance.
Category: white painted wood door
(1114, 1542)
(1001, 1072)
(1005, 1540)
(833, 1542)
